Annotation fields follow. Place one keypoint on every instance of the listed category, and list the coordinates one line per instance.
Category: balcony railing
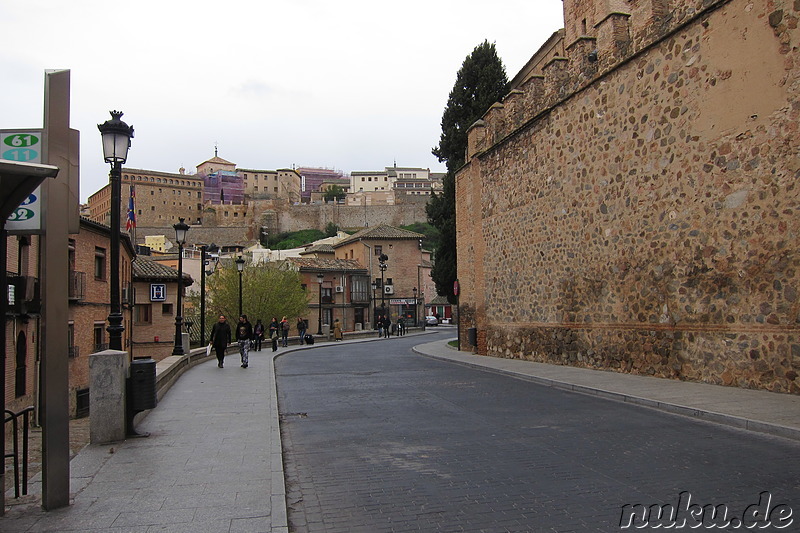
(77, 285)
(100, 347)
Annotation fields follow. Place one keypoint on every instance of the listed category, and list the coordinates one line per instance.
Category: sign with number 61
(24, 146)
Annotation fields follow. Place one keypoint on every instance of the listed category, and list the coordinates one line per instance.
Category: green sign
(24, 146)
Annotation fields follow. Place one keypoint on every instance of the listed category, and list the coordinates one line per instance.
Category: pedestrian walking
(274, 326)
(285, 332)
(301, 329)
(401, 326)
(258, 334)
(379, 324)
(337, 330)
(220, 338)
(244, 334)
(387, 326)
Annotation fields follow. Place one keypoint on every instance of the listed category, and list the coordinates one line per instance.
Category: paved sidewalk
(754, 410)
(213, 460)
(212, 463)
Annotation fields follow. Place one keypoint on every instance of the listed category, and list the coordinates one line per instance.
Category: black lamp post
(320, 277)
(180, 237)
(116, 140)
(203, 273)
(372, 303)
(416, 314)
(382, 265)
(240, 268)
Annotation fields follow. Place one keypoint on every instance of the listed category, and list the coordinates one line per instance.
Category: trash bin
(143, 384)
(472, 336)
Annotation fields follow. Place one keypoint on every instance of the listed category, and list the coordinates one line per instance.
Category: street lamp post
(240, 268)
(382, 266)
(372, 303)
(116, 140)
(416, 314)
(203, 249)
(203, 273)
(180, 237)
(320, 277)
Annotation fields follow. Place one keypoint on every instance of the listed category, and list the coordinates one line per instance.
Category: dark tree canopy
(480, 82)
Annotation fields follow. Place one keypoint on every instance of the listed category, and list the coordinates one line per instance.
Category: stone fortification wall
(241, 224)
(640, 212)
(299, 217)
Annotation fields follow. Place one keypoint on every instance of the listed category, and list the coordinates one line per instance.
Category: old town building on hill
(235, 205)
(635, 196)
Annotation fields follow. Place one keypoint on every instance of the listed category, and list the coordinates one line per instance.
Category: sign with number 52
(24, 146)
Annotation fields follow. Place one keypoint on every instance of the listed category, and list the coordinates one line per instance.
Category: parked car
(431, 321)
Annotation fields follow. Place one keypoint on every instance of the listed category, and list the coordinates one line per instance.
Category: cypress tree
(480, 82)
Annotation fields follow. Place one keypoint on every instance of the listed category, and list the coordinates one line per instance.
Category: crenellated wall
(639, 210)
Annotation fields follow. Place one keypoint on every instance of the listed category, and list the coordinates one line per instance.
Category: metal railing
(11, 416)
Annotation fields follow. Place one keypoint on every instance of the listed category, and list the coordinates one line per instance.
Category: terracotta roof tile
(319, 263)
(144, 269)
(381, 232)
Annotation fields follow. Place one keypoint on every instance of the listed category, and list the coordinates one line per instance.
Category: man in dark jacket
(244, 334)
(220, 338)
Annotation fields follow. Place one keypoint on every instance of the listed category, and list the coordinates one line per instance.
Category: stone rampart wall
(299, 217)
(646, 221)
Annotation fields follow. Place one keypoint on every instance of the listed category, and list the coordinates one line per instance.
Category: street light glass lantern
(240, 264)
(116, 138)
(180, 231)
(320, 277)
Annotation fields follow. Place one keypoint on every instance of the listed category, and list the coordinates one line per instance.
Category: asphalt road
(377, 438)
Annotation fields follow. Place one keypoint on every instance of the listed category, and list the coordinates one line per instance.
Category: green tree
(331, 229)
(431, 239)
(267, 291)
(480, 82)
(295, 239)
(334, 192)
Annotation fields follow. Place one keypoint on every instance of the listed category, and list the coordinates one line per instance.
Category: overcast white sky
(350, 85)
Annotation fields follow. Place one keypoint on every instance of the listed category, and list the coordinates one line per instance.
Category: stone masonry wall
(647, 220)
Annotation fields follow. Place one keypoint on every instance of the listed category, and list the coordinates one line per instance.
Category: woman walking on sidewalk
(258, 335)
(274, 326)
(285, 332)
(220, 338)
(244, 334)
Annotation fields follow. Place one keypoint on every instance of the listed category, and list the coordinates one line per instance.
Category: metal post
(202, 295)
(178, 349)
(319, 326)
(115, 327)
(240, 293)
(3, 306)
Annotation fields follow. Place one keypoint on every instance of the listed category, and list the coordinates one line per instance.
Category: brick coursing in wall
(640, 212)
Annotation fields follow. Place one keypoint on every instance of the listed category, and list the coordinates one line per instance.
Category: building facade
(407, 268)
(22, 322)
(160, 198)
(632, 204)
(89, 296)
(156, 289)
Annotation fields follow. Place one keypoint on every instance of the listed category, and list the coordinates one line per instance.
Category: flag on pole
(131, 223)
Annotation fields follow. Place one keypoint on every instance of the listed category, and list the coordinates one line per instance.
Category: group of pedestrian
(249, 337)
(386, 328)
